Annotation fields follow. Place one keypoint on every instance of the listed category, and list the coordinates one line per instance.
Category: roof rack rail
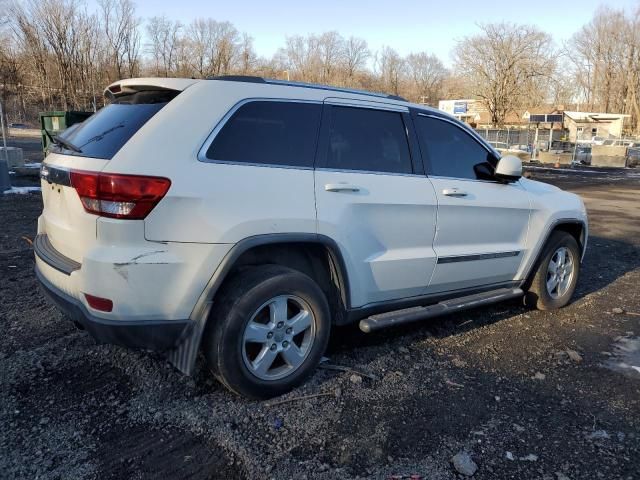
(239, 78)
(271, 81)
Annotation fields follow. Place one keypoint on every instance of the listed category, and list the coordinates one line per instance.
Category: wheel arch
(184, 355)
(577, 228)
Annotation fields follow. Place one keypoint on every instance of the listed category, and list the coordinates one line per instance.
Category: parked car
(18, 125)
(245, 217)
(521, 148)
(499, 145)
(582, 155)
(633, 156)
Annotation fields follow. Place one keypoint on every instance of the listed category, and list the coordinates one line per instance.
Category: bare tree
(248, 60)
(506, 64)
(164, 37)
(391, 69)
(331, 53)
(356, 54)
(605, 56)
(214, 47)
(302, 57)
(224, 48)
(427, 74)
(119, 25)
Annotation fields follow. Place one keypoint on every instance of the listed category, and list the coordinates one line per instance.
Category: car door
(374, 201)
(482, 223)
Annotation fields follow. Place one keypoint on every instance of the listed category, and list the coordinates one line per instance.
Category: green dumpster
(55, 122)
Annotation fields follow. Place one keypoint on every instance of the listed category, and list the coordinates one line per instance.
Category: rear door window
(269, 133)
(105, 132)
(369, 140)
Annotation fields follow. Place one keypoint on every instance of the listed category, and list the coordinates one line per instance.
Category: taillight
(119, 196)
(99, 303)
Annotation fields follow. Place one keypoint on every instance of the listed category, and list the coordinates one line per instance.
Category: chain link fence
(521, 138)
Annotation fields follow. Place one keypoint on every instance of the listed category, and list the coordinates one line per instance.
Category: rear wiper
(62, 142)
(100, 136)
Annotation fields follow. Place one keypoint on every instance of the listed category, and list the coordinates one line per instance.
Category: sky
(406, 26)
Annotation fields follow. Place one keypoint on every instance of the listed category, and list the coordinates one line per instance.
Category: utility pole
(5, 180)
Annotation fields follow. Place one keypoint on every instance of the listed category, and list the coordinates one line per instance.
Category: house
(467, 110)
(586, 125)
(476, 113)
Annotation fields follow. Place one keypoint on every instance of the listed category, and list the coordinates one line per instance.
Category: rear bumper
(159, 335)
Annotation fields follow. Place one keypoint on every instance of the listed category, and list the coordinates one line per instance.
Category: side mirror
(509, 168)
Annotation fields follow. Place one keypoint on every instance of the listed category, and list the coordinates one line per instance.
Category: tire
(539, 294)
(244, 332)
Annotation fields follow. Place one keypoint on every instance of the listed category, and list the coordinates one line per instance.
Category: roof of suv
(308, 90)
(270, 81)
(183, 83)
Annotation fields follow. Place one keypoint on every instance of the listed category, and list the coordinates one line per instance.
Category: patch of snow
(23, 190)
(625, 357)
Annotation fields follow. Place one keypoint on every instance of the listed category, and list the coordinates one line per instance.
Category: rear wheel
(267, 332)
(556, 273)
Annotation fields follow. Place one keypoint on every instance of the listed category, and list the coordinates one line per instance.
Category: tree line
(56, 54)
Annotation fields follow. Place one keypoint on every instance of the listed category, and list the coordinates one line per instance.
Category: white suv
(244, 217)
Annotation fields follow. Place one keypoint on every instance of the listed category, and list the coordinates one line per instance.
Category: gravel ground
(510, 392)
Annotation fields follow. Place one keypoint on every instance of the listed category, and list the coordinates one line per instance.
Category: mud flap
(184, 355)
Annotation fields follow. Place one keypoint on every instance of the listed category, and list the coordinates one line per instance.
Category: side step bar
(414, 314)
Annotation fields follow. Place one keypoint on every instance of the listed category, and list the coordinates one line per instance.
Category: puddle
(625, 357)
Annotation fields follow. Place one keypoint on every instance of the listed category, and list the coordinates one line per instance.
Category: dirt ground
(526, 394)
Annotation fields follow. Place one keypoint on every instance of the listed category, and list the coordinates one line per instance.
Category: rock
(355, 379)
(561, 476)
(458, 362)
(618, 310)
(539, 376)
(530, 458)
(518, 428)
(599, 435)
(464, 464)
(403, 350)
(575, 356)
(510, 456)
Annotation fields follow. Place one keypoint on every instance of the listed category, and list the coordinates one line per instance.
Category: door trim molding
(480, 256)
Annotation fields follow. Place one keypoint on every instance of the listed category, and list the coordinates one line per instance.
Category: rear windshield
(105, 132)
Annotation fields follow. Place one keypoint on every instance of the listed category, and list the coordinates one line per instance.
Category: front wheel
(268, 331)
(556, 274)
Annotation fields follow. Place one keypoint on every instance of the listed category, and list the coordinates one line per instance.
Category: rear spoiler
(132, 85)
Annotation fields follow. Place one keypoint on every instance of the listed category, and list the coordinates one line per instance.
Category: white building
(467, 110)
(586, 125)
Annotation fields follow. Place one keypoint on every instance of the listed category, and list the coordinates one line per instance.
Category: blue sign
(459, 108)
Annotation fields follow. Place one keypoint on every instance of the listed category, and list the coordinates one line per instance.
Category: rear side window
(104, 133)
(270, 133)
(452, 152)
(370, 140)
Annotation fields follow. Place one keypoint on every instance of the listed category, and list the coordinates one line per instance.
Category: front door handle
(341, 187)
(454, 192)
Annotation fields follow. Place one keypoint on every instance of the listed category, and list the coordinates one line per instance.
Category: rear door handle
(341, 187)
(454, 192)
